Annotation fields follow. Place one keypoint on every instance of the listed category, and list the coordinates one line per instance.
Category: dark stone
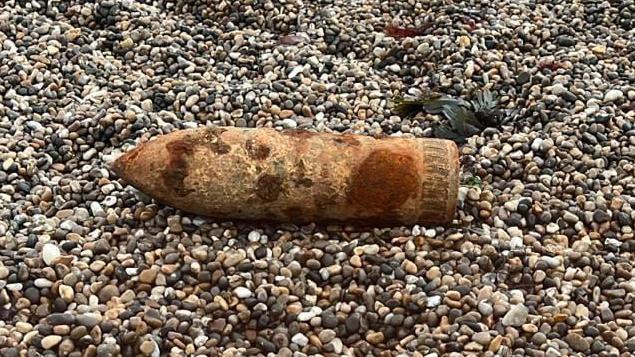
(10, 352)
(59, 305)
(624, 219)
(31, 241)
(33, 294)
(589, 138)
(153, 318)
(523, 77)
(329, 320)
(352, 323)
(569, 97)
(597, 346)
(566, 41)
(260, 252)
(78, 332)
(601, 216)
(107, 350)
(101, 246)
(591, 331)
(396, 320)
(89, 321)
(68, 246)
(607, 315)
(60, 319)
(266, 345)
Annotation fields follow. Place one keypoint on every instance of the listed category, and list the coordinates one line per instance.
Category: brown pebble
(147, 276)
(147, 347)
(375, 337)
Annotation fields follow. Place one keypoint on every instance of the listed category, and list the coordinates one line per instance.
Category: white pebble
(516, 316)
(253, 236)
(552, 228)
(434, 301)
(42, 283)
(200, 340)
(613, 95)
(305, 316)
(110, 201)
(516, 243)
(371, 249)
(300, 339)
(14, 287)
(50, 253)
(512, 205)
(296, 71)
(289, 123)
(242, 292)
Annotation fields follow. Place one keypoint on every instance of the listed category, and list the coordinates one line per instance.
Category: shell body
(297, 176)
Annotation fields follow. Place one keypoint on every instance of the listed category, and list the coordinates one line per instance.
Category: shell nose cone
(118, 166)
(122, 165)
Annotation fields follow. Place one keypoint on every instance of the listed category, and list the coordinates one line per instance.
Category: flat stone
(286, 113)
(60, 319)
(483, 338)
(153, 318)
(50, 341)
(147, 276)
(200, 253)
(108, 292)
(88, 320)
(516, 316)
(577, 342)
(234, 257)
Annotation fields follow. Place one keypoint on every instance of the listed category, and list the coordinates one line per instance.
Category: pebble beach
(539, 261)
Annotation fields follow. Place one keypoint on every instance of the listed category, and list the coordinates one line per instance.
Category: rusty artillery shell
(298, 176)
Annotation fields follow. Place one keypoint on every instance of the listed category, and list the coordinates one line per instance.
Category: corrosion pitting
(346, 139)
(177, 169)
(384, 181)
(300, 176)
(211, 137)
(268, 187)
(299, 134)
(325, 198)
(257, 150)
(298, 214)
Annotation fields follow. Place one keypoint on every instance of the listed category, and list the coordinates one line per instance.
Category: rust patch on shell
(383, 182)
(176, 169)
(346, 139)
(256, 150)
(268, 187)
